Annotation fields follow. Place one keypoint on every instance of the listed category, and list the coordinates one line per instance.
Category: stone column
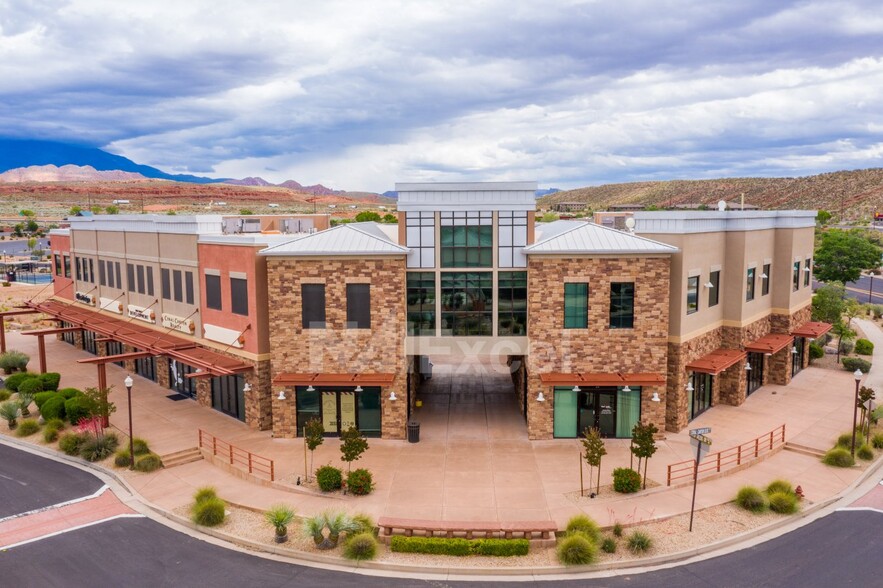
(129, 363)
(204, 391)
(675, 392)
(654, 412)
(733, 385)
(780, 367)
(285, 415)
(540, 415)
(162, 371)
(101, 347)
(258, 400)
(78, 339)
(394, 413)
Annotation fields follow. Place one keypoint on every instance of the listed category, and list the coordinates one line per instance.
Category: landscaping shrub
(783, 502)
(50, 380)
(77, 408)
(877, 441)
(140, 446)
(15, 380)
(501, 547)
(751, 499)
(68, 393)
(576, 550)
(329, 478)
(617, 530)
(864, 452)
(360, 547)
(838, 457)
(70, 443)
(31, 426)
(148, 463)
(55, 423)
(209, 512)
(359, 482)
(122, 459)
(364, 524)
(586, 526)
(4, 394)
(816, 351)
(608, 545)
(864, 347)
(626, 480)
(10, 411)
(50, 431)
(205, 493)
(639, 542)
(851, 364)
(462, 547)
(780, 486)
(42, 397)
(97, 448)
(30, 386)
(53, 408)
(12, 361)
(845, 440)
(846, 348)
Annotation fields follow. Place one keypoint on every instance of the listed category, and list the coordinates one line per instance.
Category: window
(238, 296)
(512, 231)
(102, 273)
(67, 266)
(140, 271)
(421, 303)
(57, 259)
(119, 274)
(765, 280)
(213, 292)
(749, 284)
(714, 291)
(188, 287)
(576, 305)
(149, 281)
(130, 277)
(358, 306)
(77, 266)
(807, 272)
(420, 238)
(467, 239)
(177, 291)
(512, 303)
(796, 277)
(692, 294)
(111, 279)
(166, 283)
(467, 303)
(91, 271)
(622, 305)
(313, 306)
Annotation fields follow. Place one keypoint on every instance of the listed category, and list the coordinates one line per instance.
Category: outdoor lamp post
(858, 378)
(128, 382)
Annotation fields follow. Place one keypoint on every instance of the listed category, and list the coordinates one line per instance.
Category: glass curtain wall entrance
(797, 355)
(339, 408)
(700, 399)
(612, 410)
(754, 376)
(178, 380)
(228, 395)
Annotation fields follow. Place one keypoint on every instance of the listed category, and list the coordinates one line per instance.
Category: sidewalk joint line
(83, 526)
(95, 494)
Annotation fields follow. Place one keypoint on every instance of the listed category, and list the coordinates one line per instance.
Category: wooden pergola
(6, 313)
(40, 334)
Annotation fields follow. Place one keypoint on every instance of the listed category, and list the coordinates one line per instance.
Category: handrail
(734, 456)
(237, 457)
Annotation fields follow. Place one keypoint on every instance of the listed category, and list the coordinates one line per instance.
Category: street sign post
(702, 444)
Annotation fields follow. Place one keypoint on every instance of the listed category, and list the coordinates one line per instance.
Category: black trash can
(413, 432)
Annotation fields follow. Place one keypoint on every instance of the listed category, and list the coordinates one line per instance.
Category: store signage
(702, 431)
(111, 304)
(178, 323)
(223, 335)
(142, 314)
(84, 298)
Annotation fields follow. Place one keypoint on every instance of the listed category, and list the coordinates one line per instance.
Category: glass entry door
(329, 412)
(754, 376)
(588, 408)
(338, 411)
(797, 358)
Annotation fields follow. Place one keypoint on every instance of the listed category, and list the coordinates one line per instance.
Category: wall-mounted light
(709, 285)
(655, 397)
(763, 276)
(358, 388)
(626, 388)
(794, 350)
(747, 367)
(281, 394)
(690, 386)
(807, 269)
(577, 389)
(768, 354)
(310, 388)
(246, 387)
(392, 396)
(540, 397)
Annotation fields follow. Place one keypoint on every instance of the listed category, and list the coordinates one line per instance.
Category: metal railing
(729, 458)
(236, 457)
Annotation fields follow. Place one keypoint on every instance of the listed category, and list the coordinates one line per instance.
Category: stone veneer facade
(597, 349)
(337, 349)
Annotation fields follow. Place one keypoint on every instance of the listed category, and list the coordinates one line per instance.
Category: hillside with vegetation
(854, 194)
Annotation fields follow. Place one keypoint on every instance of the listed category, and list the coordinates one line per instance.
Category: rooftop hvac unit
(251, 225)
(297, 225)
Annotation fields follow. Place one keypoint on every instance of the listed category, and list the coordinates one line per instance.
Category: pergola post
(41, 346)
(102, 385)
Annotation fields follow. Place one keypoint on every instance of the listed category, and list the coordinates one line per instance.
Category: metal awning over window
(717, 361)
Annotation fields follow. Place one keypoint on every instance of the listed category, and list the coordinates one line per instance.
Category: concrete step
(177, 458)
(805, 450)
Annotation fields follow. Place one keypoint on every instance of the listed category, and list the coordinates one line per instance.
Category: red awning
(315, 379)
(601, 379)
(117, 357)
(772, 343)
(812, 330)
(717, 361)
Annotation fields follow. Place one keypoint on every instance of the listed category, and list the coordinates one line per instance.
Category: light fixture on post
(857, 374)
(540, 397)
(281, 394)
(577, 389)
(655, 397)
(128, 382)
(358, 388)
(392, 396)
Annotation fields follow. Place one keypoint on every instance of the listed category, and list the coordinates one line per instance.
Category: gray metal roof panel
(348, 239)
(578, 237)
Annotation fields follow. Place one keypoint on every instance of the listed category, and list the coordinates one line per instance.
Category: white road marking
(96, 494)
(83, 526)
(13, 480)
(860, 508)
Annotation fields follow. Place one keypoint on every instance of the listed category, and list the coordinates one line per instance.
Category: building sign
(178, 323)
(223, 335)
(84, 298)
(142, 314)
(111, 304)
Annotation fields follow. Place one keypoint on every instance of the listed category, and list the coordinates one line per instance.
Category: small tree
(97, 403)
(644, 445)
(112, 209)
(313, 437)
(390, 219)
(352, 446)
(828, 303)
(367, 216)
(843, 255)
(593, 451)
(842, 330)
(865, 394)
(75, 210)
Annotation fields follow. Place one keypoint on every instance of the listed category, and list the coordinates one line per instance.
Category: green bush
(877, 441)
(209, 512)
(359, 482)
(53, 408)
(140, 446)
(42, 397)
(780, 486)
(122, 459)
(608, 545)
(329, 478)
(864, 347)
(864, 452)
(639, 542)
(751, 499)
(460, 547)
(845, 440)
(51, 429)
(816, 351)
(617, 529)
(626, 480)
(586, 526)
(4, 394)
(783, 502)
(30, 426)
(76, 409)
(71, 443)
(68, 393)
(11, 361)
(360, 547)
(148, 463)
(205, 493)
(55, 423)
(846, 347)
(851, 364)
(50, 380)
(98, 448)
(576, 550)
(30, 386)
(364, 524)
(15, 380)
(501, 547)
(838, 457)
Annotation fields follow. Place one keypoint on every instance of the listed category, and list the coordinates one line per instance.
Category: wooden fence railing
(236, 457)
(729, 458)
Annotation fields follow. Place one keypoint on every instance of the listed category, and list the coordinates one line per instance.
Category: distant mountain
(316, 190)
(22, 153)
(546, 192)
(66, 173)
(249, 181)
(391, 194)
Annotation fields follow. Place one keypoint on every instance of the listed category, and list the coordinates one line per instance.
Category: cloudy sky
(360, 94)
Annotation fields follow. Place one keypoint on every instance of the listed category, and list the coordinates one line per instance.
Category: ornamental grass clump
(147, 463)
(70, 443)
(27, 427)
(751, 499)
(361, 546)
(639, 542)
(586, 526)
(783, 502)
(864, 452)
(779, 486)
(608, 545)
(877, 441)
(51, 430)
(576, 550)
(208, 510)
(845, 440)
(839, 458)
(280, 516)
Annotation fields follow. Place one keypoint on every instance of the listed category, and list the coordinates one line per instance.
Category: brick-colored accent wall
(337, 349)
(597, 349)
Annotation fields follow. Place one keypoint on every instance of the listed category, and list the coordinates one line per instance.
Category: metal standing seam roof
(347, 239)
(586, 238)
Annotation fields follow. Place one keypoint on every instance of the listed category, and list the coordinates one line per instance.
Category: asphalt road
(836, 550)
(21, 246)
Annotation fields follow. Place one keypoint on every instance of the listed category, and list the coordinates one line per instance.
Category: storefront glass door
(755, 374)
(340, 409)
(700, 400)
(611, 410)
(797, 358)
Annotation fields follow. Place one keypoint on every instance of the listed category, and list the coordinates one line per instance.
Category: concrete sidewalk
(498, 474)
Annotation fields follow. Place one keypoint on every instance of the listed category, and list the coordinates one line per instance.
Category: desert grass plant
(576, 550)
(70, 443)
(335, 522)
(361, 546)
(838, 457)
(10, 411)
(96, 448)
(877, 441)
(783, 502)
(639, 542)
(864, 452)
(149, 462)
(586, 526)
(210, 512)
(617, 529)
(280, 516)
(204, 493)
(140, 446)
(13, 361)
(845, 440)
(27, 427)
(364, 523)
(608, 545)
(4, 394)
(779, 486)
(122, 458)
(51, 430)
